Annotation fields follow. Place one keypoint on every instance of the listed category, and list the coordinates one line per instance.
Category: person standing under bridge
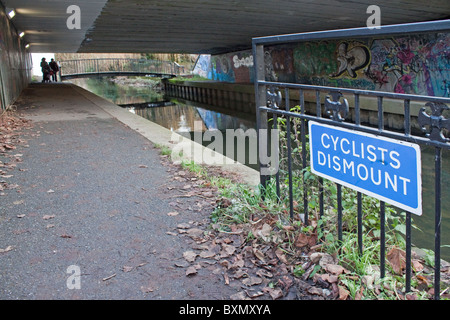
(55, 68)
(45, 71)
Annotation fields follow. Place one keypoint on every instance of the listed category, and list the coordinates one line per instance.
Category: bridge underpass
(77, 197)
(195, 26)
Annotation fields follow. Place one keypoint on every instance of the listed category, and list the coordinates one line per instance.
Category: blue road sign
(383, 168)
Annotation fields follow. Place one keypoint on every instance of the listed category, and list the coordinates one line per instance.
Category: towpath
(90, 196)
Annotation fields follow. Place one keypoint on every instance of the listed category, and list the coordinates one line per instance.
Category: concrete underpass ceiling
(197, 26)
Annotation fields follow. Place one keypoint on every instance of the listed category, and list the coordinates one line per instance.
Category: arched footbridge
(83, 68)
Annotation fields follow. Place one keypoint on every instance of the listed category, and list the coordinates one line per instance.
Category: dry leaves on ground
(11, 127)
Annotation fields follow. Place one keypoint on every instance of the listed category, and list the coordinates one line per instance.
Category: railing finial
(274, 97)
(337, 110)
(436, 121)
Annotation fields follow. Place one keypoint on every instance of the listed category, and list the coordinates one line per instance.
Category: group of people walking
(49, 70)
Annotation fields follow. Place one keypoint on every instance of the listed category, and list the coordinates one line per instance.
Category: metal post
(382, 240)
(289, 151)
(261, 116)
(437, 222)
(408, 254)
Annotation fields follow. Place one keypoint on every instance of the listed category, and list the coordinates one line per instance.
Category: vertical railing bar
(289, 155)
(380, 113)
(318, 104)
(359, 195)
(260, 100)
(382, 204)
(357, 110)
(304, 163)
(408, 253)
(407, 117)
(277, 175)
(291, 204)
(339, 210)
(437, 223)
(360, 233)
(319, 115)
(382, 240)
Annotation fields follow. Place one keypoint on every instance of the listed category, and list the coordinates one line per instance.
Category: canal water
(147, 101)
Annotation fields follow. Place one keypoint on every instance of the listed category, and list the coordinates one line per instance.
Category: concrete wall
(15, 62)
(417, 64)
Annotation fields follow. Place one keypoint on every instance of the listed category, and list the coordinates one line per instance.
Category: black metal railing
(331, 108)
(105, 66)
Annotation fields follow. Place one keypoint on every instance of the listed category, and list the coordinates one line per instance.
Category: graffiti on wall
(415, 65)
(351, 57)
(418, 64)
(233, 67)
(203, 66)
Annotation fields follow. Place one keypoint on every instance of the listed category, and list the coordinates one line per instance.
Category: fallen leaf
(335, 269)
(182, 264)
(127, 268)
(226, 278)
(274, 293)
(238, 296)
(288, 228)
(191, 271)
(190, 256)
(238, 262)
(254, 294)
(330, 278)
(305, 240)
(258, 253)
(265, 231)
(228, 250)
(239, 274)
(343, 293)
(264, 273)
(207, 254)
(195, 233)
(315, 290)
(396, 258)
(251, 281)
(423, 279)
(280, 255)
(417, 265)
(301, 241)
(8, 248)
(147, 289)
(9, 146)
(359, 294)
(110, 277)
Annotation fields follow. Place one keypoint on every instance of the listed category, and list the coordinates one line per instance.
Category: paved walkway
(93, 193)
